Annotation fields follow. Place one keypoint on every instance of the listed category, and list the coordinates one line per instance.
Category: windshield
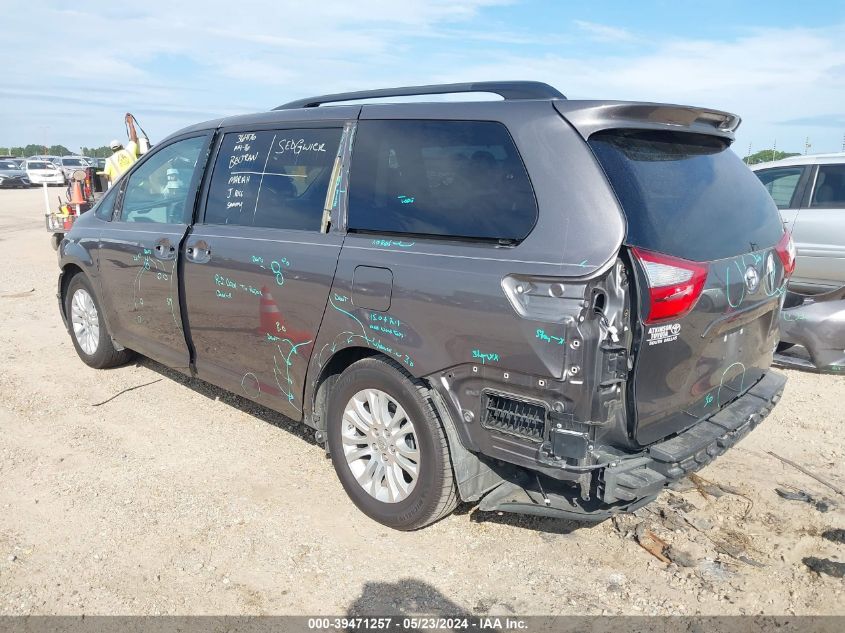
(7, 164)
(39, 166)
(687, 195)
(73, 162)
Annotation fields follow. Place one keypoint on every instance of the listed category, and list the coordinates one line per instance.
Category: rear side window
(781, 184)
(446, 178)
(830, 187)
(274, 179)
(687, 195)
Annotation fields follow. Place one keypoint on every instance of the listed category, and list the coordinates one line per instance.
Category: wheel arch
(68, 272)
(472, 475)
(329, 373)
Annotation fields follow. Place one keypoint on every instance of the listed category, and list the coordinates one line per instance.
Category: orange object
(76, 195)
(270, 317)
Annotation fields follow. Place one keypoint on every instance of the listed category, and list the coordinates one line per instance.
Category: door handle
(198, 253)
(164, 249)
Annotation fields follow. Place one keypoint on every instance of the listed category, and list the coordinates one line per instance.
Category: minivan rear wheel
(88, 329)
(388, 446)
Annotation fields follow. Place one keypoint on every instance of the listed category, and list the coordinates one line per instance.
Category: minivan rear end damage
(547, 306)
(674, 342)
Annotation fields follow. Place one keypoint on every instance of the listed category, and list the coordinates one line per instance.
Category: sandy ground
(177, 498)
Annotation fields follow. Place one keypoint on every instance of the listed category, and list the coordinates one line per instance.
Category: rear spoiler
(589, 117)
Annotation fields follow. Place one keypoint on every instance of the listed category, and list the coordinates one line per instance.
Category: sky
(72, 70)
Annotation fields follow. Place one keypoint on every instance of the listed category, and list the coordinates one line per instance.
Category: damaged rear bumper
(631, 481)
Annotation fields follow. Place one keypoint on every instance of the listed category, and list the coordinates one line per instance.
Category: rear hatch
(710, 259)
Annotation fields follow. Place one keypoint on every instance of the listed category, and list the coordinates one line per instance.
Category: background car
(98, 163)
(42, 171)
(810, 193)
(11, 175)
(70, 164)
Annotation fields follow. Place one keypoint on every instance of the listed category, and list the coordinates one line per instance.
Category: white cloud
(604, 33)
(173, 63)
(767, 77)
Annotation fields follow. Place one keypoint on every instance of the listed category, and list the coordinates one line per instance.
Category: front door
(259, 266)
(139, 251)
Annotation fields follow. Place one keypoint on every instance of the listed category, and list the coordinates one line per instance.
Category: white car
(43, 171)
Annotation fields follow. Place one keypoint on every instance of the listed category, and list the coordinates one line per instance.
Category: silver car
(810, 193)
(70, 164)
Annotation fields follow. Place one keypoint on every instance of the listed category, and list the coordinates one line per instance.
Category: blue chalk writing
(385, 330)
(405, 199)
(220, 280)
(276, 267)
(548, 338)
(485, 356)
(372, 341)
(385, 318)
(389, 243)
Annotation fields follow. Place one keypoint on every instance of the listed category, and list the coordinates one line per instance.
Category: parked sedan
(11, 175)
(42, 171)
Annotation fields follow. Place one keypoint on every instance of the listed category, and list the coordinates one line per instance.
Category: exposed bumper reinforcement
(637, 479)
(668, 461)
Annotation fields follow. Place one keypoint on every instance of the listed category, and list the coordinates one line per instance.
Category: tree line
(54, 150)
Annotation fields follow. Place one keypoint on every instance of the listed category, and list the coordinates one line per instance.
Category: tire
(412, 502)
(89, 335)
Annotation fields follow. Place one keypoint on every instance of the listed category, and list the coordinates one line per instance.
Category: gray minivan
(554, 307)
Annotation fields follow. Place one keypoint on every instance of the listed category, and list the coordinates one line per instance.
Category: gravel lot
(177, 498)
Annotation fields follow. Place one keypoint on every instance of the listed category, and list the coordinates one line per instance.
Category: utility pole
(843, 142)
(748, 155)
(807, 145)
(774, 148)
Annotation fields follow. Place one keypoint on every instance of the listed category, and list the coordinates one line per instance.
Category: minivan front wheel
(87, 329)
(388, 446)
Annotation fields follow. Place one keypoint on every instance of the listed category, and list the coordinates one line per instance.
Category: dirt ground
(177, 498)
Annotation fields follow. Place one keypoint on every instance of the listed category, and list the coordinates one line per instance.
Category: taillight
(674, 284)
(786, 251)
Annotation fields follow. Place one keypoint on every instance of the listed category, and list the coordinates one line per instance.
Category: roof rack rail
(508, 90)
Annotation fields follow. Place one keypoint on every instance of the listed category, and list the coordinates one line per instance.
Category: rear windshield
(38, 166)
(4, 164)
(687, 195)
(73, 162)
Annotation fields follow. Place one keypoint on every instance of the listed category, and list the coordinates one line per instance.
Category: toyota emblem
(752, 279)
